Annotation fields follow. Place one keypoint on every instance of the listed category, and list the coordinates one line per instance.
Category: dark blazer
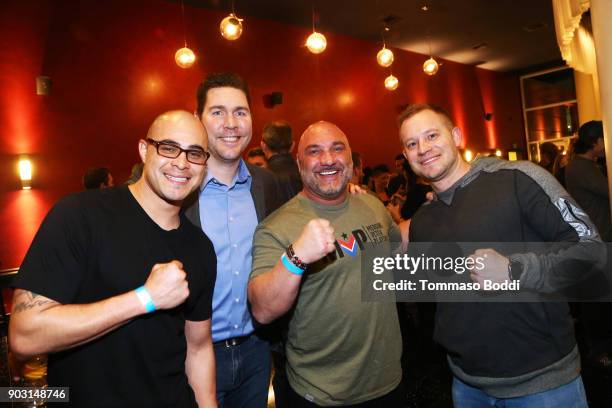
(265, 190)
(288, 173)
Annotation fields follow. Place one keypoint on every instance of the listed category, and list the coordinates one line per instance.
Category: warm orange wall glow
(486, 84)
(113, 70)
(28, 207)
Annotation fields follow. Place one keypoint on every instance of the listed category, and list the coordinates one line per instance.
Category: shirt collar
(242, 176)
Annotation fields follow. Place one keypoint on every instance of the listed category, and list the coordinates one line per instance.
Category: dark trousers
(243, 374)
(280, 383)
(394, 399)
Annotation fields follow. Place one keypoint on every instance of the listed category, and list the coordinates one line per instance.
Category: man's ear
(292, 146)
(265, 149)
(142, 149)
(457, 136)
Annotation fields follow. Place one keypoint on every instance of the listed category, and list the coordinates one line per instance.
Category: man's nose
(423, 146)
(327, 157)
(181, 161)
(230, 121)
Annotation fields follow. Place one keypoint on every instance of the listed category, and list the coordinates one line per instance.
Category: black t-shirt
(97, 244)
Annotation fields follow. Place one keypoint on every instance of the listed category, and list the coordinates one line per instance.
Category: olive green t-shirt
(340, 349)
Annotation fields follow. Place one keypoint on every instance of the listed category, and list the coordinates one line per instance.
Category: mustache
(329, 168)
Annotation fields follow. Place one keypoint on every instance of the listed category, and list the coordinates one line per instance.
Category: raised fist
(167, 285)
(316, 240)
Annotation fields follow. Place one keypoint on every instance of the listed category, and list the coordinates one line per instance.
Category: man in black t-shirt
(117, 284)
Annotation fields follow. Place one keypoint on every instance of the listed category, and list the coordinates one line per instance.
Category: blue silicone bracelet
(145, 298)
(290, 266)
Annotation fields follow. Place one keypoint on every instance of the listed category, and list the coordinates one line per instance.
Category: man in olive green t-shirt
(307, 256)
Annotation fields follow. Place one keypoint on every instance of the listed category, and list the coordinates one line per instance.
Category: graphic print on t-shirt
(350, 243)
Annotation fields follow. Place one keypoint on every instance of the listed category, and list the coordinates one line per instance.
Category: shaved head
(167, 178)
(177, 122)
(325, 163)
(320, 128)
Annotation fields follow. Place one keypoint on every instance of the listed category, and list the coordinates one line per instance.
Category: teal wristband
(290, 266)
(145, 298)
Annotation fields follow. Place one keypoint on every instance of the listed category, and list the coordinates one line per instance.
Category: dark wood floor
(428, 380)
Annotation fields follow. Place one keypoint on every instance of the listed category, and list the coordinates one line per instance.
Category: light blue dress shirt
(229, 219)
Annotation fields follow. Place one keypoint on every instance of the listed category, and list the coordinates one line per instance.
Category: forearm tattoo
(27, 300)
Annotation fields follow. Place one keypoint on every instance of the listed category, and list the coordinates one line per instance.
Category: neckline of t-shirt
(146, 216)
(325, 207)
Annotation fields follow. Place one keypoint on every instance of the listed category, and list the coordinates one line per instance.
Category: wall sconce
(25, 172)
(468, 155)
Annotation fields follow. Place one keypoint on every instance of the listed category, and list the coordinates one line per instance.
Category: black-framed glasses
(172, 151)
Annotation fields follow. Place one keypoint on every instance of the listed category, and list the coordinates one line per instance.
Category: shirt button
(236, 273)
(235, 245)
(231, 219)
(235, 326)
(237, 300)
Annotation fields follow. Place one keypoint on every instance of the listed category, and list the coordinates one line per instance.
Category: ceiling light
(316, 43)
(184, 57)
(391, 82)
(384, 57)
(231, 27)
(430, 67)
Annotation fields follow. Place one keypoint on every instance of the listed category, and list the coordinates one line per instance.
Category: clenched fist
(167, 285)
(316, 240)
(489, 265)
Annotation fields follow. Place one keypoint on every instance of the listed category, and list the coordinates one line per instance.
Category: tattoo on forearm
(28, 300)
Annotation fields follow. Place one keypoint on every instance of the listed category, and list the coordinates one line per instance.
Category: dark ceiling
(500, 35)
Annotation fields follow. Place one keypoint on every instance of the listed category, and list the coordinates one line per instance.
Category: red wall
(112, 67)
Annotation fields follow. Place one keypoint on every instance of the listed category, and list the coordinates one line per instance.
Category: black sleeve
(198, 306)
(56, 261)
(574, 248)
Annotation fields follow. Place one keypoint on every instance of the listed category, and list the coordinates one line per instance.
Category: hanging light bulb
(384, 57)
(231, 27)
(316, 43)
(430, 67)
(184, 57)
(391, 82)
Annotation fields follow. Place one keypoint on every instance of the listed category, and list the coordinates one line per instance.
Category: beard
(327, 190)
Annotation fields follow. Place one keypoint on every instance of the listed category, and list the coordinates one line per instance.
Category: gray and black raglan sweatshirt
(511, 349)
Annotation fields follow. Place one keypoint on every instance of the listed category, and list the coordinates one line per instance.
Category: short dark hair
(588, 135)
(415, 108)
(356, 159)
(277, 136)
(380, 169)
(255, 152)
(549, 149)
(220, 80)
(95, 177)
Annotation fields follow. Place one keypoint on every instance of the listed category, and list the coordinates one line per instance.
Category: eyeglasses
(172, 151)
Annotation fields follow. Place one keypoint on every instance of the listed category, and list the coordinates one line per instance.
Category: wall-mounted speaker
(43, 85)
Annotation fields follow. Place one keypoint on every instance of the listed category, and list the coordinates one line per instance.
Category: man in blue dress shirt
(233, 198)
